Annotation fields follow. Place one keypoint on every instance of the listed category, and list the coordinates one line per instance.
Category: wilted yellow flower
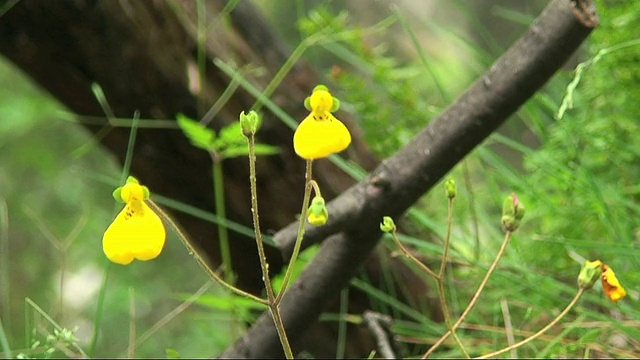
(320, 134)
(611, 286)
(137, 232)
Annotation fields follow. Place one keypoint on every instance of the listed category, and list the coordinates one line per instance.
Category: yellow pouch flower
(611, 286)
(137, 231)
(320, 134)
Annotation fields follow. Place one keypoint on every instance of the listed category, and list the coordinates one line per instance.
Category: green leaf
(199, 135)
(231, 135)
(260, 149)
(264, 149)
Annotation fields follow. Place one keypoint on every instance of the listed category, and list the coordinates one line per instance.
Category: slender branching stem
(273, 305)
(183, 238)
(440, 279)
(309, 183)
(564, 312)
(408, 254)
(475, 297)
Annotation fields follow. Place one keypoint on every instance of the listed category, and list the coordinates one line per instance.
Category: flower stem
(408, 254)
(475, 297)
(273, 304)
(440, 279)
(303, 218)
(540, 332)
(223, 234)
(198, 258)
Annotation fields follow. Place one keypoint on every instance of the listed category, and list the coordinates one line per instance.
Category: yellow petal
(132, 191)
(315, 139)
(136, 233)
(321, 101)
(611, 286)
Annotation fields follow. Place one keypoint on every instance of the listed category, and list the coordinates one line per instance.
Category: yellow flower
(320, 134)
(137, 232)
(611, 286)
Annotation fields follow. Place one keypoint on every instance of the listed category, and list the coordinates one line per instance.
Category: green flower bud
(590, 273)
(512, 213)
(318, 213)
(387, 225)
(249, 123)
(450, 188)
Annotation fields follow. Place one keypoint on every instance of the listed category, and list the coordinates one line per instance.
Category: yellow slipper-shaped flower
(137, 231)
(320, 134)
(611, 286)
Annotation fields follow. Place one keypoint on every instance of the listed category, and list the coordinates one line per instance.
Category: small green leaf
(232, 135)
(264, 149)
(199, 135)
(234, 151)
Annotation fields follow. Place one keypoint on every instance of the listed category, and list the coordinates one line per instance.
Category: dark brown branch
(400, 180)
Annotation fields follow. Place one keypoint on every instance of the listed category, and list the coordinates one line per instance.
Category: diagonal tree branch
(400, 180)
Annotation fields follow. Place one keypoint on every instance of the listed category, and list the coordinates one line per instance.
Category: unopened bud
(318, 213)
(589, 274)
(249, 123)
(387, 225)
(450, 188)
(512, 213)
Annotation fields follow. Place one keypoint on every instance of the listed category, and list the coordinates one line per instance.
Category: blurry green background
(578, 176)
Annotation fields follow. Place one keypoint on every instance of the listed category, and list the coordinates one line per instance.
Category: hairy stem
(198, 258)
(440, 279)
(272, 302)
(309, 183)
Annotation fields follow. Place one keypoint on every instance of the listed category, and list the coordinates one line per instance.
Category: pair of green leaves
(228, 143)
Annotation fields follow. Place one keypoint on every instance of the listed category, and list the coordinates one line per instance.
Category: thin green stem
(131, 349)
(198, 258)
(564, 312)
(472, 208)
(475, 297)
(99, 307)
(221, 212)
(447, 240)
(303, 219)
(273, 305)
(201, 11)
(440, 279)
